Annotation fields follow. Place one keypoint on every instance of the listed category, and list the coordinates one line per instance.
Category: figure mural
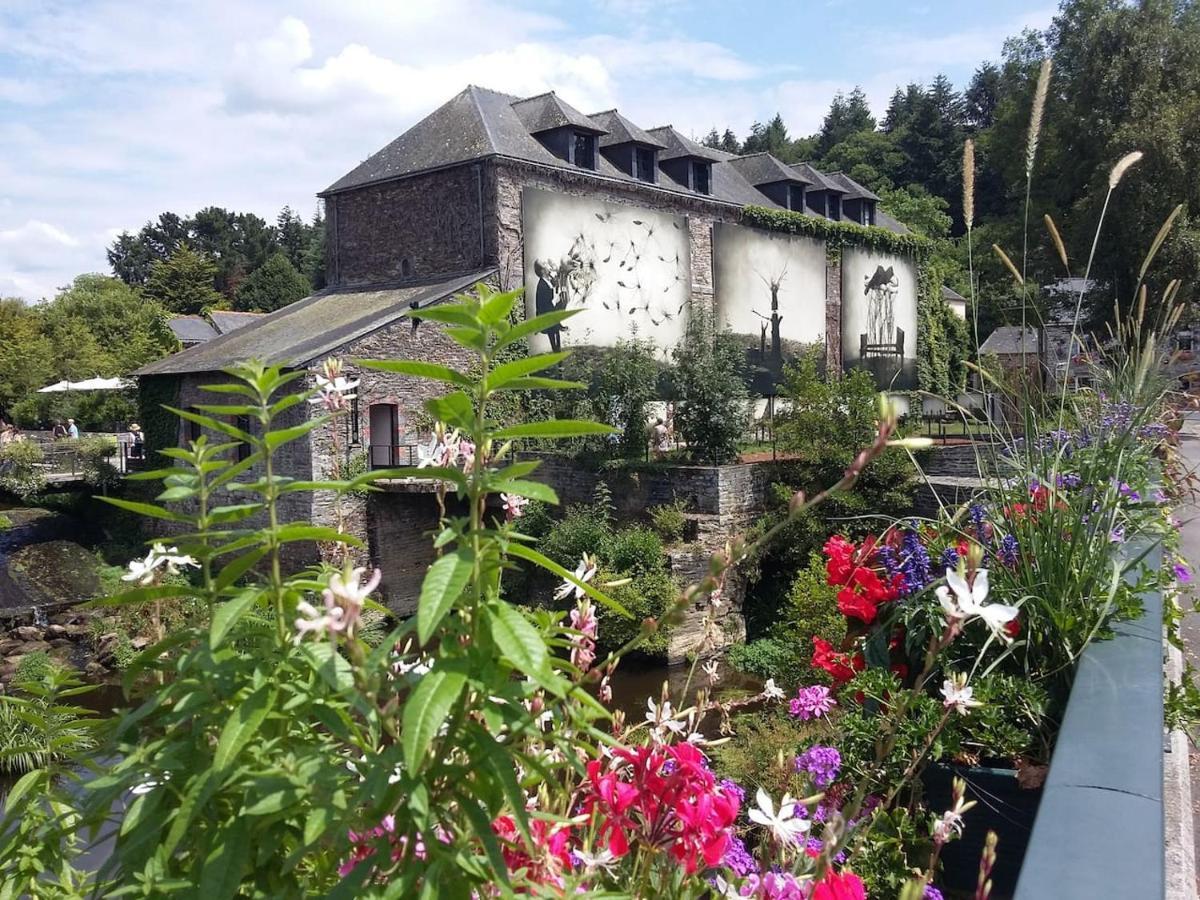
(879, 318)
(626, 269)
(754, 267)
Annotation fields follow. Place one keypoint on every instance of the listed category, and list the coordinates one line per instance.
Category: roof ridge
(483, 119)
(537, 96)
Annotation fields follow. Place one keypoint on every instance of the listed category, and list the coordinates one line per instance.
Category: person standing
(72, 430)
(137, 441)
(659, 439)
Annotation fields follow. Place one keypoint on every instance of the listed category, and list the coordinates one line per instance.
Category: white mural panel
(879, 316)
(626, 268)
(770, 291)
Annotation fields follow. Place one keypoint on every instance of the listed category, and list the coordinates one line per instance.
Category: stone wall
(416, 227)
(958, 460)
(400, 528)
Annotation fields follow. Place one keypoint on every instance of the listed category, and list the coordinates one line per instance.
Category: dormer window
(583, 150)
(796, 197)
(644, 168)
(701, 177)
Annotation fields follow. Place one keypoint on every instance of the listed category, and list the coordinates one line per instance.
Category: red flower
(839, 565)
(1012, 627)
(856, 606)
(843, 886)
(840, 666)
(551, 844)
(664, 797)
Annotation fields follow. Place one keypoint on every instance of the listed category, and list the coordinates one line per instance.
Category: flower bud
(796, 504)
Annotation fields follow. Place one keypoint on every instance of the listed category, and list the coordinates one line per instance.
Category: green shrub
(584, 529)
(646, 596)
(776, 658)
(710, 384)
(33, 666)
(20, 469)
(537, 519)
(94, 455)
(669, 521)
(636, 551)
(5, 522)
(762, 749)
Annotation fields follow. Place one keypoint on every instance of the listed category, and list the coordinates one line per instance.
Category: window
(643, 164)
(353, 424)
(243, 448)
(384, 449)
(584, 150)
(192, 429)
(796, 198)
(701, 177)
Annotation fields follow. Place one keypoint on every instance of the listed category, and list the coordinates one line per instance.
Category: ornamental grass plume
(1035, 117)
(969, 183)
(1122, 166)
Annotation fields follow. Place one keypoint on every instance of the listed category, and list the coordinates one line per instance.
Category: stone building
(634, 226)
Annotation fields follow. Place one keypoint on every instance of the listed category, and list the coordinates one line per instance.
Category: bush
(669, 521)
(771, 657)
(646, 596)
(20, 469)
(762, 747)
(94, 454)
(713, 410)
(584, 529)
(637, 551)
(33, 666)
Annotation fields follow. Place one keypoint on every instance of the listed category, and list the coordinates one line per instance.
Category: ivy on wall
(840, 233)
(161, 428)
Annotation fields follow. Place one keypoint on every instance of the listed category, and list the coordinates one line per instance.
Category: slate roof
(677, 146)
(819, 181)
(190, 329)
(948, 293)
(1007, 340)
(310, 328)
(763, 168)
(479, 124)
(227, 320)
(545, 112)
(621, 131)
(854, 190)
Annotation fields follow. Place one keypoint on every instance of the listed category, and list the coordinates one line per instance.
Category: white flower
(333, 390)
(662, 719)
(584, 572)
(962, 601)
(343, 599)
(772, 691)
(712, 669)
(958, 696)
(784, 826)
(150, 783)
(143, 571)
(428, 454)
(591, 862)
(514, 506)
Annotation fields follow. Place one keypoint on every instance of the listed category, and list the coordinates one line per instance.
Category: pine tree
(184, 282)
(273, 285)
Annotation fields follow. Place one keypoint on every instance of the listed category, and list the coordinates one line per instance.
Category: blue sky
(112, 111)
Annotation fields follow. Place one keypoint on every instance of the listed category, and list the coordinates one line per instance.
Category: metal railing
(391, 456)
(1106, 776)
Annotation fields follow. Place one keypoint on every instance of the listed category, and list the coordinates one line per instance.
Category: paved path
(1189, 446)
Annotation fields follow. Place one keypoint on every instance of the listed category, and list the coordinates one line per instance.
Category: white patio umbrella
(88, 384)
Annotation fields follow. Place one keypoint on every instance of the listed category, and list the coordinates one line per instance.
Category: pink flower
(839, 886)
(583, 620)
(812, 702)
(514, 506)
(343, 599)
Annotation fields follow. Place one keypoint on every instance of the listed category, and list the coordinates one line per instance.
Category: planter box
(1002, 806)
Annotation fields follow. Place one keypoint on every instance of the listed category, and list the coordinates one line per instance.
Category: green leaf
(533, 556)
(221, 875)
(23, 786)
(450, 314)
(534, 490)
(330, 665)
(517, 639)
(534, 325)
(443, 584)
(242, 726)
(273, 439)
(195, 798)
(431, 371)
(301, 531)
(145, 509)
(518, 368)
(424, 712)
(535, 383)
(210, 423)
(144, 595)
(497, 307)
(274, 802)
(227, 614)
(553, 428)
(454, 409)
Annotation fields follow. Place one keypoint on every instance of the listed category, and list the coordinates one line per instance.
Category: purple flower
(738, 858)
(1008, 551)
(1129, 493)
(1183, 573)
(822, 763)
(949, 559)
(1117, 535)
(1069, 480)
(932, 893)
(915, 562)
(812, 702)
(976, 515)
(732, 789)
(1160, 497)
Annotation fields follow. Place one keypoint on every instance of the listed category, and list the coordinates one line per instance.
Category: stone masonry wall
(417, 227)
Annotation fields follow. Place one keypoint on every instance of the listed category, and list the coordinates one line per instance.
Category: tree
(982, 96)
(184, 283)
(273, 285)
(846, 116)
(26, 354)
(771, 138)
(710, 385)
(133, 256)
(726, 141)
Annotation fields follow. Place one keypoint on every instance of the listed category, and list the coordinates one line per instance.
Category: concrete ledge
(1177, 797)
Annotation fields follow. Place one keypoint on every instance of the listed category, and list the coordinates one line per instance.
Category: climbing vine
(870, 237)
(160, 427)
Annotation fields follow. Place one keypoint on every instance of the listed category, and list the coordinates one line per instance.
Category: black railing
(392, 456)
